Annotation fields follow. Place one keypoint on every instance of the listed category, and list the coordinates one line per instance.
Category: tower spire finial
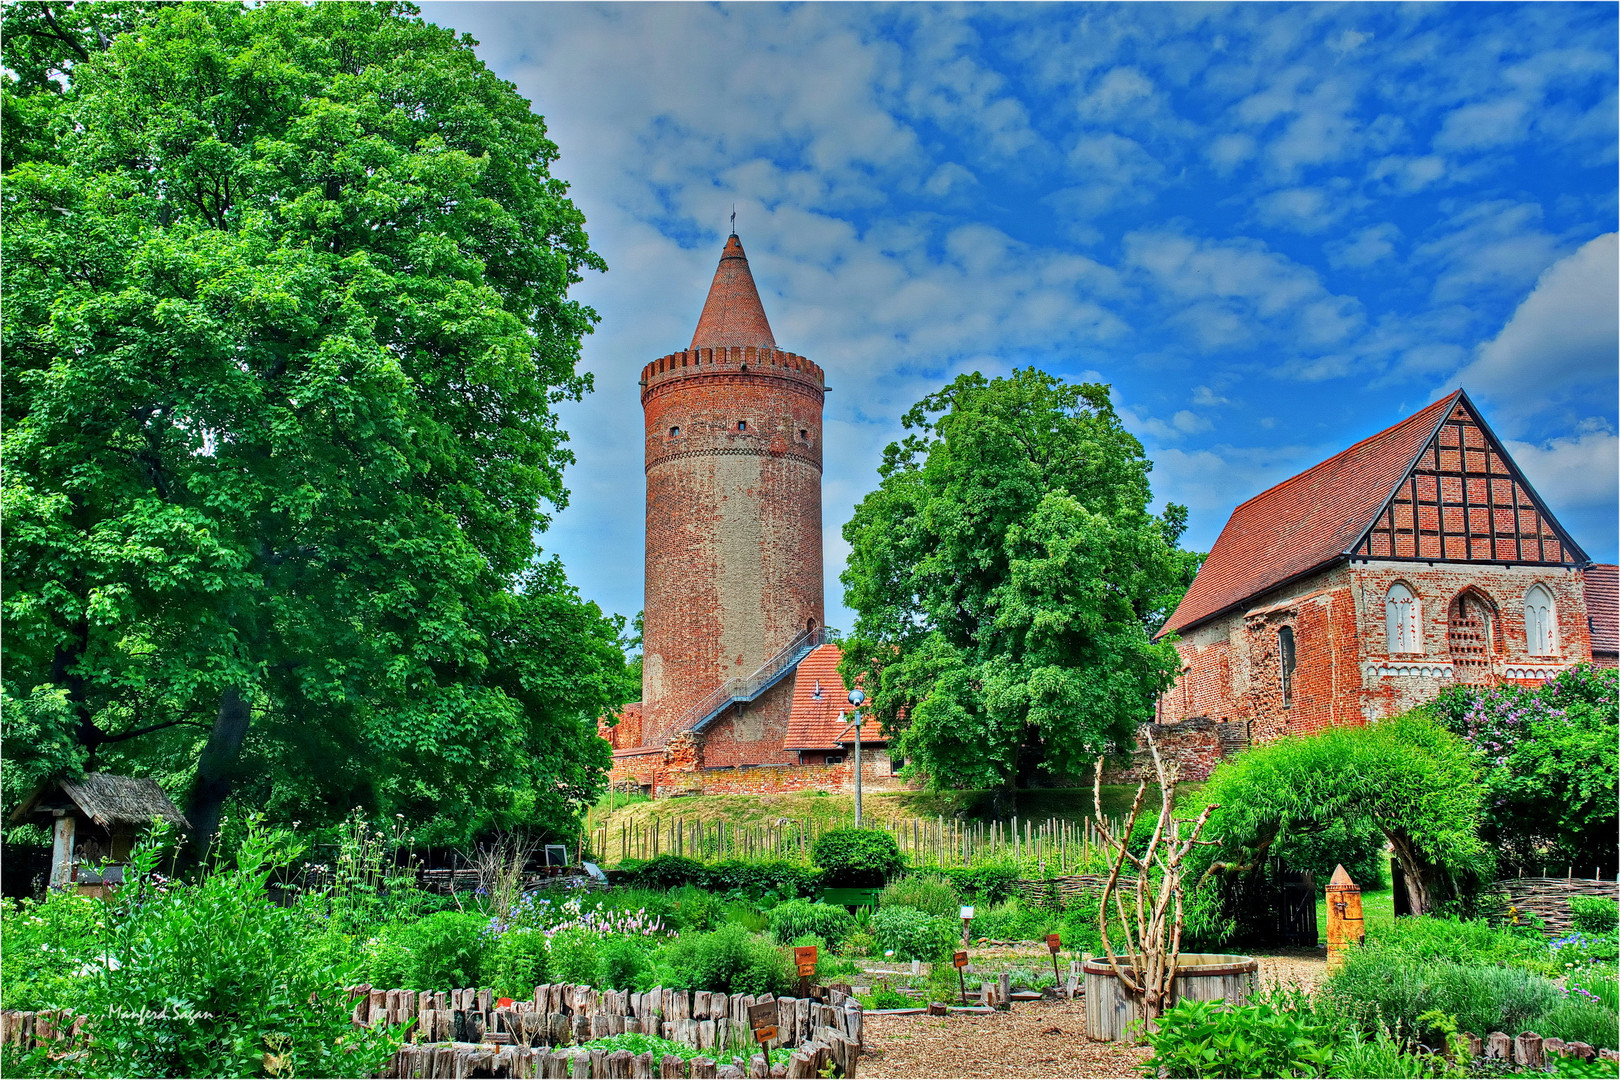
(733, 219)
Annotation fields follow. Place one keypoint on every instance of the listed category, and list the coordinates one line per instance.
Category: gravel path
(1033, 1039)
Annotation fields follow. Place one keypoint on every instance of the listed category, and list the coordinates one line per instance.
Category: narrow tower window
(742, 425)
(1540, 621)
(803, 434)
(675, 432)
(1403, 620)
(1285, 654)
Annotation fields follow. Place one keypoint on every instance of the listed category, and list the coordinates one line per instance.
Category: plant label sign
(960, 960)
(805, 957)
(762, 1018)
(1053, 942)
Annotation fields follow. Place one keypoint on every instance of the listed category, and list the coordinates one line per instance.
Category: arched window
(675, 432)
(1285, 655)
(1540, 621)
(1403, 620)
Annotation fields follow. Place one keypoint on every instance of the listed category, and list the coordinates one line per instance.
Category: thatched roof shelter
(112, 802)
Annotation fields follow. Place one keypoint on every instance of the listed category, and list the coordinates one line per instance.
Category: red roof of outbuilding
(732, 315)
(1603, 606)
(1307, 521)
(820, 723)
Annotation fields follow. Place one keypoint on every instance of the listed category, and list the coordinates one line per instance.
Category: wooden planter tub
(1199, 977)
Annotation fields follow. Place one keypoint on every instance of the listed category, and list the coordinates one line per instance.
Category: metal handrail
(731, 691)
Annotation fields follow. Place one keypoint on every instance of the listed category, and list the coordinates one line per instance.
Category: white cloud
(1561, 344)
(1364, 247)
(1301, 209)
(1578, 477)
(1484, 124)
(1122, 90)
(1489, 245)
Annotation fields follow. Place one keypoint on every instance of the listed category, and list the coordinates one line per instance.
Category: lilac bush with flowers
(1550, 768)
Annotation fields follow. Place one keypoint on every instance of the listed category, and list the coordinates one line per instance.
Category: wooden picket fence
(471, 1032)
(1053, 846)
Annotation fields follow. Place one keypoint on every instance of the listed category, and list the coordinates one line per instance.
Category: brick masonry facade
(733, 561)
(1344, 671)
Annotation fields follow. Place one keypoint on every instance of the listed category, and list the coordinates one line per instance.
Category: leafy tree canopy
(1548, 757)
(1417, 782)
(285, 320)
(1008, 579)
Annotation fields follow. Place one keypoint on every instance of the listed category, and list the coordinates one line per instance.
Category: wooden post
(62, 850)
(1345, 924)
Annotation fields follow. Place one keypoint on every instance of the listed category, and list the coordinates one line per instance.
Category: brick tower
(733, 451)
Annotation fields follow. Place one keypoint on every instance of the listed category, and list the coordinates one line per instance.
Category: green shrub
(1595, 914)
(765, 878)
(1462, 941)
(1381, 987)
(730, 960)
(575, 956)
(46, 941)
(518, 963)
(663, 872)
(990, 883)
(1576, 1019)
(860, 943)
(442, 950)
(625, 963)
(798, 917)
(213, 979)
(1014, 920)
(1271, 1036)
(738, 878)
(857, 858)
(928, 893)
(692, 908)
(911, 935)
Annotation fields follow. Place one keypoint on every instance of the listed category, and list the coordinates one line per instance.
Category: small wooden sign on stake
(805, 957)
(762, 1018)
(961, 961)
(1054, 943)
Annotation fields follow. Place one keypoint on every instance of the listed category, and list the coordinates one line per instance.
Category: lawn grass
(1073, 805)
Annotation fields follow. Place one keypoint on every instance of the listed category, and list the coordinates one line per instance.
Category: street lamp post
(855, 699)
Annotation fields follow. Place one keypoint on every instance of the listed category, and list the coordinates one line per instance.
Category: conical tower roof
(732, 315)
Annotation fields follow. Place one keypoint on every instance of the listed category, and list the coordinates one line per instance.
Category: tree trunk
(216, 766)
(1418, 874)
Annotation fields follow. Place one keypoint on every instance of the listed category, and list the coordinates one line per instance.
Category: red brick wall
(1344, 673)
(733, 561)
(875, 776)
(1194, 745)
(752, 733)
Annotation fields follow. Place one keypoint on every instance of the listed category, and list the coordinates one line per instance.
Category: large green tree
(1008, 578)
(285, 323)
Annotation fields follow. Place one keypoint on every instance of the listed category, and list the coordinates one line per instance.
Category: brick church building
(740, 685)
(1416, 558)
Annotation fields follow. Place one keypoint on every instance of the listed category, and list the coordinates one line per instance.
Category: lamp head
(856, 697)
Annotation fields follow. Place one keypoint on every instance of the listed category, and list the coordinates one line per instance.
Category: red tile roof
(1603, 606)
(820, 723)
(732, 314)
(1307, 521)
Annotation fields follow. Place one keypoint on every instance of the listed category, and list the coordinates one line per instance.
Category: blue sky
(1273, 230)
